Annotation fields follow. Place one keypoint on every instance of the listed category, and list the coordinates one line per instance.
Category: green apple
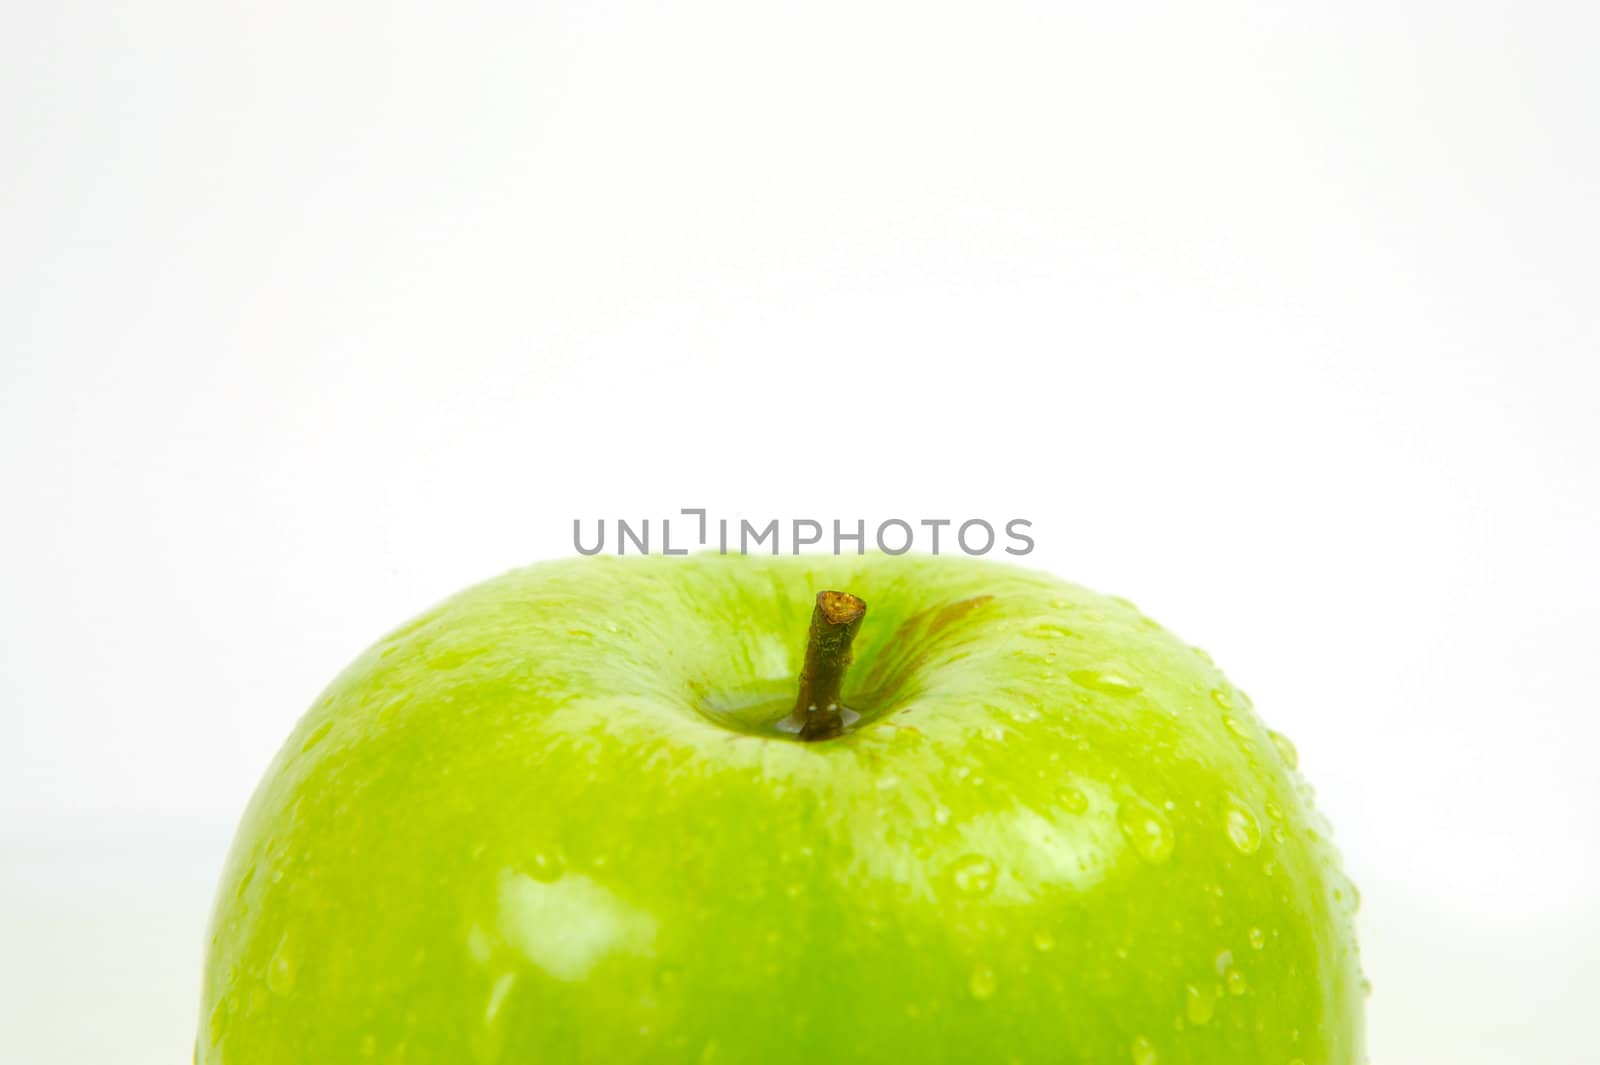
(618, 811)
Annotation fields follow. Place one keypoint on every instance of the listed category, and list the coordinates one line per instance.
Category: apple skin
(531, 826)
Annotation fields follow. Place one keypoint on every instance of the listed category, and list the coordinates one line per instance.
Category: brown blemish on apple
(916, 641)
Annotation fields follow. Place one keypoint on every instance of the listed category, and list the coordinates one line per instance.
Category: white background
(1281, 323)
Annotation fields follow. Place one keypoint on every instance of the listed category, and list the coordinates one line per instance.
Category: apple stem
(818, 713)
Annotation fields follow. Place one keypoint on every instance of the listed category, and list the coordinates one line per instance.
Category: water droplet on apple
(318, 734)
(450, 657)
(217, 1021)
(982, 983)
(1104, 682)
(497, 996)
(394, 706)
(1200, 1003)
(1147, 830)
(1223, 962)
(1220, 697)
(1274, 811)
(973, 874)
(1144, 1052)
(1258, 939)
(1286, 751)
(1043, 941)
(1244, 831)
(281, 970)
(1073, 800)
(546, 867)
(1236, 984)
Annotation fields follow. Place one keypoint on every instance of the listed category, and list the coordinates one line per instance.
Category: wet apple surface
(569, 815)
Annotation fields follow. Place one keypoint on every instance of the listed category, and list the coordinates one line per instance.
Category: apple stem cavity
(818, 713)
